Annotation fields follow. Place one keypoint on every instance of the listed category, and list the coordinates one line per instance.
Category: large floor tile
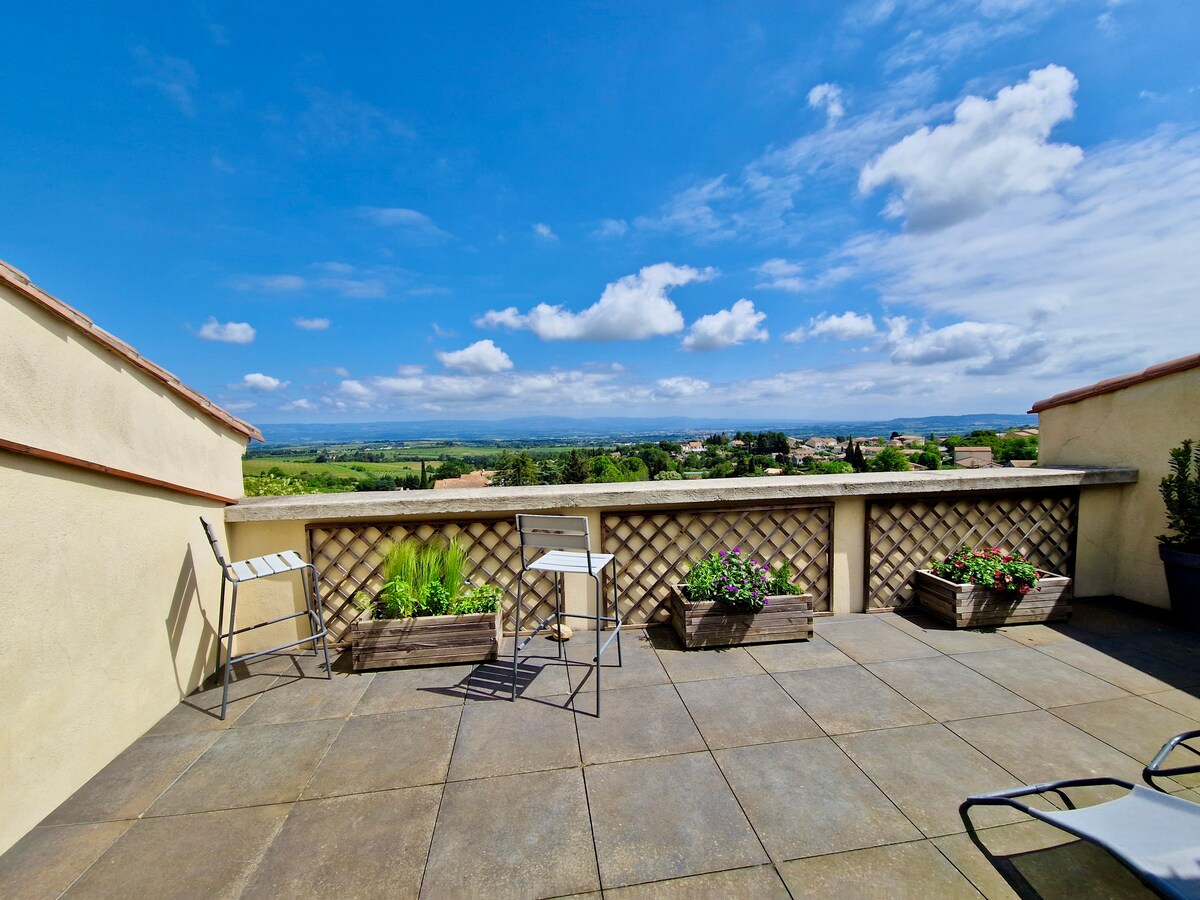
(806, 798)
(511, 738)
(222, 849)
(915, 871)
(390, 750)
(1039, 678)
(423, 687)
(539, 674)
(942, 637)
(130, 783)
(1132, 670)
(201, 710)
(250, 767)
(520, 835)
(1037, 746)
(759, 882)
(731, 712)
(302, 698)
(1181, 648)
(639, 663)
(946, 689)
(638, 722)
(793, 656)
(364, 846)
(46, 861)
(667, 817)
(927, 771)
(1134, 725)
(848, 699)
(708, 662)
(868, 639)
(1186, 703)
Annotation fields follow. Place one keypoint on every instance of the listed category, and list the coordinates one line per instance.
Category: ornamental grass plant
(989, 567)
(427, 580)
(737, 580)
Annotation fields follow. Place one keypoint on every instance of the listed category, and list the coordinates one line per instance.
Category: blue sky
(799, 210)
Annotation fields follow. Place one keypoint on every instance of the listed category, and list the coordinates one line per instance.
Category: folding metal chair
(1154, 834)
(235, 573)
(567, 550)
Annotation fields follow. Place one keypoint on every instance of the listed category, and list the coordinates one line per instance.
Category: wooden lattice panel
(654, 549)
(907, 534)
(348, 560)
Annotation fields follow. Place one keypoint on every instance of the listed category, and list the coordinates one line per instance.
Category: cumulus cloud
(780, 275)
(479, 358)
(994, 150)
(849, 326)
(543, 231)
(311, 324)
(257, 381)
(680, 387)
(829, 98)
(983, 346)
(408, 222)
(228, 332)
(355, 390)
(301, 404)
(632, 308)
(726, 328)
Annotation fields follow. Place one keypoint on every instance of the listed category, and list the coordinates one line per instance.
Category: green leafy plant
(427, 580)
(989, 567)
(1181, 495)
(737, 580)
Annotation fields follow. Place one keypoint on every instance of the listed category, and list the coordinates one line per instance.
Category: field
(360, 471)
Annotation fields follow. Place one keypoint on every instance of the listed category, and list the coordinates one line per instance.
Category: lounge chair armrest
(1156, 769)
(1008, 797)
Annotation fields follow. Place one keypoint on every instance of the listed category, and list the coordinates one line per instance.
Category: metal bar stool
(567, 549)
(235, 573)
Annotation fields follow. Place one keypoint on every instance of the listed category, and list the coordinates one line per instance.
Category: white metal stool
(567, 551)
(235, 573)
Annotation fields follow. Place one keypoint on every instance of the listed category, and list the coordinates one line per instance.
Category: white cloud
(829, 98)
(256, 381)
(355, 390)
(691, 212)
(301, 404)
(239, 405)
(228, 332)
(171, 76)
(632, 308)
(726, 328)
(479, 358)
(409, 222)
(994, 150)
(849, 326)
(542, 230)
(268, 283)
(680, 387)
(311, 324)
(981, 345)
(781, 275)
(611, 228)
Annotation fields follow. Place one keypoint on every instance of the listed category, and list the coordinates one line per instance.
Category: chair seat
(570, 561)
(271, 564)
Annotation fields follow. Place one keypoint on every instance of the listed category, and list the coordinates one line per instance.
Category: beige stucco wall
(110, 589)
(1135, 426)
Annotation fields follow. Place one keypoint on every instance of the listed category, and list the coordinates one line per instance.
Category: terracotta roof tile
(1109, 385)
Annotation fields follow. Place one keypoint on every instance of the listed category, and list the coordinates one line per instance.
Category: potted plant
(732, 598)
(1180, 552)
(426, 612)
(987, 586)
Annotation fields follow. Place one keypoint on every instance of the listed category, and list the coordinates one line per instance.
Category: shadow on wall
(186, 602)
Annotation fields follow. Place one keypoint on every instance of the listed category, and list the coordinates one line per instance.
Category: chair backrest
(215, 541)
(553, 533)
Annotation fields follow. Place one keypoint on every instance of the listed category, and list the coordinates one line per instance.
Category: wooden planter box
(786, 617)
(422, 641)
(972, 605)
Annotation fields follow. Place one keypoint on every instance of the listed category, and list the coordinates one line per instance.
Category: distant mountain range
(568, 430)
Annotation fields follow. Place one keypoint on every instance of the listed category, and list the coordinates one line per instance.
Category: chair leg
(517, 630)
(617, 610)
(317, 621)
(558, 580)
(599, 629)
(229, 650)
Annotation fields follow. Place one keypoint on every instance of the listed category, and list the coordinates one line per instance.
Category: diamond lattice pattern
(907, 534)
(348, 559)
(653, 549)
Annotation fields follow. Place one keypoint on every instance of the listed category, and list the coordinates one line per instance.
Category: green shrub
(1181, 494)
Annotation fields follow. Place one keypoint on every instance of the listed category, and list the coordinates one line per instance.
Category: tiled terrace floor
(832, 768)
